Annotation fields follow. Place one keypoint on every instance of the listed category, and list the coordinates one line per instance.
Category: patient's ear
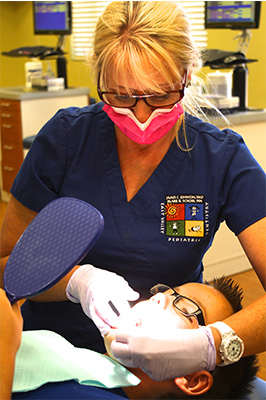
(195, 384)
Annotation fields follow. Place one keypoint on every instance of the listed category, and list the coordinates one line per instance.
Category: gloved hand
(100, 292)
(177, 354)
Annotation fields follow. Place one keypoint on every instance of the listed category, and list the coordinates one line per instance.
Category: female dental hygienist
(163, 180)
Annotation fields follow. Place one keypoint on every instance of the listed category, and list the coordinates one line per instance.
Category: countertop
(241, 117)
(23, 93)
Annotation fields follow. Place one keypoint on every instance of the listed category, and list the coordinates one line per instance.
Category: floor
(247, 280)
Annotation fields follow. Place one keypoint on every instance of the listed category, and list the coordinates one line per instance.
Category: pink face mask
(157, 125)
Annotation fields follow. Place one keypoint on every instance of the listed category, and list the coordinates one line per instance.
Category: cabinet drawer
(10, 117)
(9, 172)
(12, 152)
(7, 105)
(11, 131)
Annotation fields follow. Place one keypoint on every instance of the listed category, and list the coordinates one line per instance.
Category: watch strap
(225, 332)
(222, 328)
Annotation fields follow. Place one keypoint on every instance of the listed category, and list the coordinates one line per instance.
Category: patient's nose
(159, 299)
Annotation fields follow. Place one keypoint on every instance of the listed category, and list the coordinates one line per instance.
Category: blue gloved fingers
(110, 306)
(121, 336)
(121, 352)
(110, 310)
(103, 295)
(165, 354)
(103, 327)
(131, 294)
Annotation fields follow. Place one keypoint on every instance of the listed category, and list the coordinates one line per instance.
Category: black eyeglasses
(183, 304)
(158, 100)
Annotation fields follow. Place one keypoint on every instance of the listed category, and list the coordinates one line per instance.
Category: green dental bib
(45, 356)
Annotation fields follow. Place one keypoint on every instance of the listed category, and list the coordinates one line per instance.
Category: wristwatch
(232, 347)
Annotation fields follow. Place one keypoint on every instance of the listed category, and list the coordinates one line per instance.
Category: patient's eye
(186, 313)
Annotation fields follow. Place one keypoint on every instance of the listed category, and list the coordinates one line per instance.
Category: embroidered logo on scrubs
(184, 216)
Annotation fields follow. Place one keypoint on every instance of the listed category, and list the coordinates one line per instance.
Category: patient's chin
(107, 342)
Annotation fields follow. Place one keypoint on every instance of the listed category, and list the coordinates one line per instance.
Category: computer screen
(52, 17)
(232, 14)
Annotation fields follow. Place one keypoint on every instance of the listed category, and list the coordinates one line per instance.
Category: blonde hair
(133, 37)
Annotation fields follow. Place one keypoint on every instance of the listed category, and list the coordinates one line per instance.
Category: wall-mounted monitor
(52, 17)
(232, 14)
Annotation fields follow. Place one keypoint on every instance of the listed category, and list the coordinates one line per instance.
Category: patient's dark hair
(233, 381)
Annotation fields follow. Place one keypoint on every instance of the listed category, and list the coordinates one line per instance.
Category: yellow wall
(223, 39)
(16, 30)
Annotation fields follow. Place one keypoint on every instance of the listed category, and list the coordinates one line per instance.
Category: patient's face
(159, 314)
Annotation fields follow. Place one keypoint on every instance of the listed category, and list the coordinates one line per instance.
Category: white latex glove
(179, 353)
(97, 290)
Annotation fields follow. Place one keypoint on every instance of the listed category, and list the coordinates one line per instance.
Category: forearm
(10, 339)
(58, 291)
(3, 265)
(250, 325)
(7, 362)
(16, 220)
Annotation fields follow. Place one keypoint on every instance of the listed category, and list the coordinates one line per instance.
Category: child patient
(203, 304)
(187, 307)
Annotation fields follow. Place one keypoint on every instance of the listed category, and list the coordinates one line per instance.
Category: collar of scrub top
(56, 240)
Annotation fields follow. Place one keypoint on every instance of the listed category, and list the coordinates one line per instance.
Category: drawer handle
(5, 104)
(9, 169)
(5, 115)
(6, 147)
(8, 126)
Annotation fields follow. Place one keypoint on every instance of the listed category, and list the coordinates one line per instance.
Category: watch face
(233, 350)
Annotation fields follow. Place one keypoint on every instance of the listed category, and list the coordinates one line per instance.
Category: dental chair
(258, 391)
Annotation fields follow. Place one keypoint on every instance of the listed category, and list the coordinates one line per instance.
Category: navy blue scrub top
(162, 234)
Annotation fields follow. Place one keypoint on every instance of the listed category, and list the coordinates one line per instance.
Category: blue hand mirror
(55, 241)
